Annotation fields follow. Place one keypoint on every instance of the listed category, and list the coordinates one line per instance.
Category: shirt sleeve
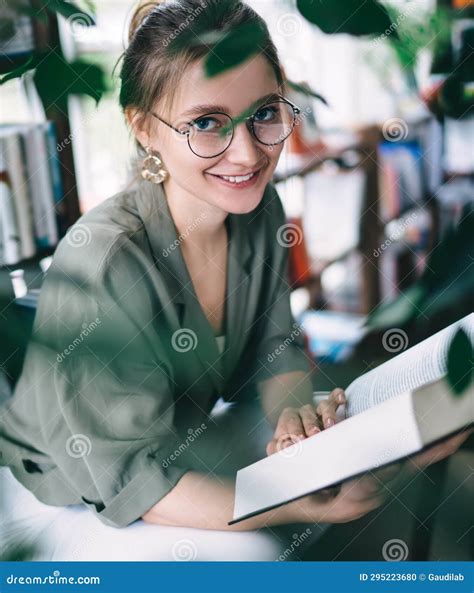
(113, 411)
(280, 341)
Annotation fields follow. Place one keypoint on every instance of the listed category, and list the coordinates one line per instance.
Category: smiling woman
(185, 278)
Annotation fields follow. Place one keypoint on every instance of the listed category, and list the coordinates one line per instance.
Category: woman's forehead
(232, 91)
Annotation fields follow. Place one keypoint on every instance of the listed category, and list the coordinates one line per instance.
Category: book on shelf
(32, 178)
(393, 411)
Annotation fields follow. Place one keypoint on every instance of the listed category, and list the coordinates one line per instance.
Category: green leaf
(20, 70)
(399, 312)
(69, 10)
(55, 79)
(368, 17)
(236, 46)
(459, 363)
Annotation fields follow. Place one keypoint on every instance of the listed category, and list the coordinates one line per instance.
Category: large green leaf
(356, 17)
(236, 46)
(460, 359)
(55, 79)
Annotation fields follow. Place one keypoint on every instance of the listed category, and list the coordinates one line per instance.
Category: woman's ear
(138, 123)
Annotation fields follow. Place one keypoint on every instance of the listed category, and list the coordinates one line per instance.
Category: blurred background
(377, 184)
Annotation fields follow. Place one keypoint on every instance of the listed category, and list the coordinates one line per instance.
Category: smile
(238, 180)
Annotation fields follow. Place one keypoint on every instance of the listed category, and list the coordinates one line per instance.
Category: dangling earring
(152, 168)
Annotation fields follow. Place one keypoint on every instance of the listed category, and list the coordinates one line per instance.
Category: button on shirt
(122, 362)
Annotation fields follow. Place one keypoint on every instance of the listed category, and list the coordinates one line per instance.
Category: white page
(412, 368)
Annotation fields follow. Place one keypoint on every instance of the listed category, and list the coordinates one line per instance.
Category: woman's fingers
(310, 420)
(290, 423)
(439, 451)
(327, 409)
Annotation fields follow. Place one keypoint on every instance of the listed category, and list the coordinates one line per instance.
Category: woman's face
(231, 92)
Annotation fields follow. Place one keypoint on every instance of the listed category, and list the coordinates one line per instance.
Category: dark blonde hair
(150, 71)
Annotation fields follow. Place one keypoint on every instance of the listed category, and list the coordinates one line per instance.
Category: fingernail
(328, 422)
(315, 429)
(340, 398)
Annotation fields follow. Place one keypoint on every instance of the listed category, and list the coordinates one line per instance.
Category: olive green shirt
(123, 363)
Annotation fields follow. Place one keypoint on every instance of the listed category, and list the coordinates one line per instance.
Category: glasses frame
(249, 121)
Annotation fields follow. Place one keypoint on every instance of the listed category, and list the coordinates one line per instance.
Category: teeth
(240, 179)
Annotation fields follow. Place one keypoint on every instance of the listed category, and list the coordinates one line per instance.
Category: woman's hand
(359, 496)
(296, 424)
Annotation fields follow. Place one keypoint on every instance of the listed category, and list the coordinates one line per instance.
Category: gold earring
(152, 168)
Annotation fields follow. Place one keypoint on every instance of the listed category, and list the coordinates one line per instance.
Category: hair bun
(143, 9)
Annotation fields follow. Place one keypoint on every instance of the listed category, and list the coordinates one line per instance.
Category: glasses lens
(274, 122)
(211, 134)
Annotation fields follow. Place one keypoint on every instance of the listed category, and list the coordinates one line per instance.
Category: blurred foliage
(447, 279)
(55, 78)
(351, 16)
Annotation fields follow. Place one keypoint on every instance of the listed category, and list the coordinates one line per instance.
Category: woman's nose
(243, 149)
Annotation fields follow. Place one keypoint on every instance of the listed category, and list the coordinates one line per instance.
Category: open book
(393, 411)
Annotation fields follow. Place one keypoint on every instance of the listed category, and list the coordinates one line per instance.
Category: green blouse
(123, 363)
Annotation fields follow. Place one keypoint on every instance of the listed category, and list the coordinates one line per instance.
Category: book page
(413, 368)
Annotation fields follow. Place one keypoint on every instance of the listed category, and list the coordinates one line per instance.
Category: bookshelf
(66, 207)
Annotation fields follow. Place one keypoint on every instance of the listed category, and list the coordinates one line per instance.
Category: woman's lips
(237, 184)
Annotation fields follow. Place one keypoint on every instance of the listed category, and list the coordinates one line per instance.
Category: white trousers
(237, 437)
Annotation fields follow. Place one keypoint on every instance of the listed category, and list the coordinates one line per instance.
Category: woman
(166, 297)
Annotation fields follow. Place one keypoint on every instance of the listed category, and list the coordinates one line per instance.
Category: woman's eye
(265, 114)
(205, 124)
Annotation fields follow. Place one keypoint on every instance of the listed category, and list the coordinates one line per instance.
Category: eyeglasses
(212, 133)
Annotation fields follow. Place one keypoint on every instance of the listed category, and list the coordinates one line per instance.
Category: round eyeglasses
(211, 134)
